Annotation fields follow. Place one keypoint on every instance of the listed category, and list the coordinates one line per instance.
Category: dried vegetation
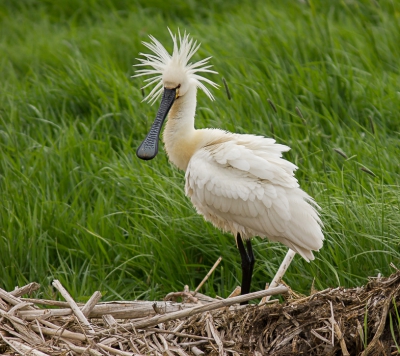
(359, 321)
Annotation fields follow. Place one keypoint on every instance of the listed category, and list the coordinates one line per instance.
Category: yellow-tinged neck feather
(181, 139)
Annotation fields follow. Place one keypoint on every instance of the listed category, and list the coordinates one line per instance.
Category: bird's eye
(177, 91)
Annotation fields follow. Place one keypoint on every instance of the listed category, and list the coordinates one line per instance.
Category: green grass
(77, 205)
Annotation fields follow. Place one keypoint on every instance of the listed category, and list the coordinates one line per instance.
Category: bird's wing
(244, 185)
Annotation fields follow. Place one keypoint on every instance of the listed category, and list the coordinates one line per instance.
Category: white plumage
(243, 185)
(240, 183)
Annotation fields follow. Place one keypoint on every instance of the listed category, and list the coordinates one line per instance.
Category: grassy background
(77, 205)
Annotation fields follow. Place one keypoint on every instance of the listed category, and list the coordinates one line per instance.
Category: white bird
(238, 182)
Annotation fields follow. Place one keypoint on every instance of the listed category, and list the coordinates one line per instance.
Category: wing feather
(242, 184)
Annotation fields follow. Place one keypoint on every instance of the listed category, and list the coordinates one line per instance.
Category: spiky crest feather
(161, 61)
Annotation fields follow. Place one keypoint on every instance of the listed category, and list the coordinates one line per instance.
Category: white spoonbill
(240, 183)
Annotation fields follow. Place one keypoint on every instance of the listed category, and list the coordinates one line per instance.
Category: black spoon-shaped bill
(148, 149)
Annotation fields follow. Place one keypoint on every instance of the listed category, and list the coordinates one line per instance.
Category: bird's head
(172, 75)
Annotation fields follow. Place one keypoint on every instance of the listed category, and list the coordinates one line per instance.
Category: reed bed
(356, 321)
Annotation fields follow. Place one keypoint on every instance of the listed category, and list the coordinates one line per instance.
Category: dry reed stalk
(208, 275)
(82, 350)
(28, 289)
(78, 313)
(279, 274)
(9, 298)
(21, 348)
(215, 334)
(115, 351)
(91, 303)
(60, 332)
(119, 310)
(203, 308)
(336, 330)
(236, 292)
(299, 326)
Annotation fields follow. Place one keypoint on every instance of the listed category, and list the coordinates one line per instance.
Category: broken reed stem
(59, 332)
(336, 330)
(114, 351)
(43, 337)
(236, 292)
(197, 351)
(119, 310)
(91, 303)
(381, 327)
(279, 275)
(163, 331)
(82, 350)
(342, 343)
(215, 334)
(81, 317)
(9, 298)
(29, 288)
(200, 309)
(54, 303)
(21, 348)
(208, 275)
(19, 306)
(332, 322)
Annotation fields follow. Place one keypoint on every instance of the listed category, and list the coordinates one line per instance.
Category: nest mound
(359, 321)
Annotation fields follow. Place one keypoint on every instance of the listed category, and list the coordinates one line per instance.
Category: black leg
(247, 264)
(251, 258)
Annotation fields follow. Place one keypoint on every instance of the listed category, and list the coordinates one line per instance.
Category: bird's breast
(181, 146)
(181, 142)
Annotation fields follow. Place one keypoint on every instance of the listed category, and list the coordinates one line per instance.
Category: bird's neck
(180, 139)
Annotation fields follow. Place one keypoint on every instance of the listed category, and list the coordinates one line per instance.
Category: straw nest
(359, 321)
